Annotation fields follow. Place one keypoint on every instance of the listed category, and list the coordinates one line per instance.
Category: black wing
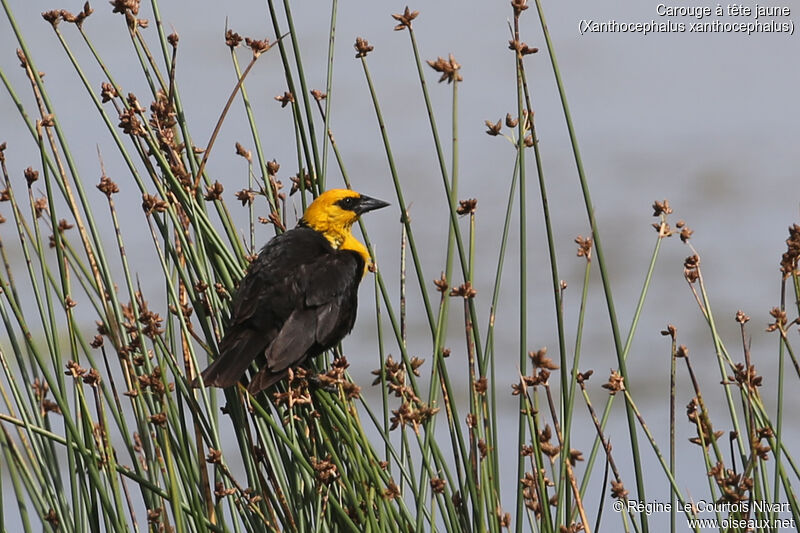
(327, 312)
(289, 306)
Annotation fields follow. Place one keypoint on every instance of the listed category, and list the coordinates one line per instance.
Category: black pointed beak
(365, 203)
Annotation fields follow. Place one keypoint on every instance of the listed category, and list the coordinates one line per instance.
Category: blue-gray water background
(709, 121)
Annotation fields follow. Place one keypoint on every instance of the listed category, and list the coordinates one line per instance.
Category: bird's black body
(298, 299)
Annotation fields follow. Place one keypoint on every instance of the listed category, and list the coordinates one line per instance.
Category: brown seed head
(130, 123)
(53, 17)
(124, 6)
(296, 182)
(79, 18)
(74, 370)
(789, 259)
(107, 92)
(31, 175)
(480, 386)
(521, 48)
(258, 46)
(23, 61)
(392, 491)
(247, 154)
(318, 95)
(780, 319)
(493, 128)
(232, 39)
(661, 208)
(92, 378)
(52, 518)
(221, 492)
(686, 234)
(618, 490)
(362, 47)
(540, 359)
(273, 167)
(615, 384)
(152, 203)
(107, 187)
(437, 485)
(214, 456)
(467, 207)
(246, 196)
(671, 331)
(584, 247)
(449, 69)
(519, 6)
(40, 206)
(746, 378)
(465, 290)
(214, 192)
(325, 472)
(285, 99)
(691, 268)
(404, 19)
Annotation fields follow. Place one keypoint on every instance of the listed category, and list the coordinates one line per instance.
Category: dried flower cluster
(615, 383)
(584, 247)
(362, 47)
(90, 377)
(40, 391)
(691, 268)
(448, 68)
(746, 378)
(661, 208)
(530, 491)
(521, 48)
(735, 487)
(412, 410)
(296, 390)
(441, 283)
(789, 260)
(214, 192)
(404, 19)
(465, 290)
(467, 207)
(123, 6)
(779, 320)
(705, 432)
(686, 232)
(325, 472)
(307, 184)
(154, 383)
(335, 377)
(258, 46)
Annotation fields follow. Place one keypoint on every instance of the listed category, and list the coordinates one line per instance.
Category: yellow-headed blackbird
(299, 296)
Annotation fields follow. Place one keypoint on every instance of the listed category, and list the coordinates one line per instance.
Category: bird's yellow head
(333, 214)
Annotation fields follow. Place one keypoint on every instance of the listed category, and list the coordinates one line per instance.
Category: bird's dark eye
(347, 203)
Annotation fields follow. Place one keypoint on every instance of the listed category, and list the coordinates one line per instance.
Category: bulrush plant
(103, 428)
